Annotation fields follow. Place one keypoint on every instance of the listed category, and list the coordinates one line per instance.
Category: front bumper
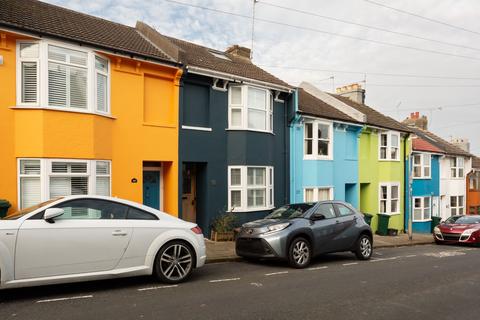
(273, 245)
(455, 238)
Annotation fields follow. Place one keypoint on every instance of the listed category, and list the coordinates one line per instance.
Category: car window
(137, 214)
(91, 209)
(326, 209)
(343, 210)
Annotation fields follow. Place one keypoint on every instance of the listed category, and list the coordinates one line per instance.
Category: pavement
(223, 251)
(412, 282)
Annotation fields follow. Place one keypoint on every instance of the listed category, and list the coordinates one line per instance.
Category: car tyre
(364, 247)
(300, 253)
(174, 262)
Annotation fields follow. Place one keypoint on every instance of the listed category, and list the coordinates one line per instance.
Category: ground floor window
(456, 205)
(422, 209)
(250, 188)
(318, 194)
(389, 197)
(44, 179)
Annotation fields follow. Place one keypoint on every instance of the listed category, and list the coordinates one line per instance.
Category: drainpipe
(296, 119)
(410, 186)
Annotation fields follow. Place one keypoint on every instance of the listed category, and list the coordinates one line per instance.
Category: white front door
(92, 235)
(435, 206)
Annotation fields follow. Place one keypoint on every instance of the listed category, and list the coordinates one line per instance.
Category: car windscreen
(463, 220)
(290, 211)
(21, 213)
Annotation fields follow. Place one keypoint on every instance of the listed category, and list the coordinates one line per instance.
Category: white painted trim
(314, 155)
(388, 207)
(196, 128)
(389, 146)
(422, 202)
(331, 190)
(422, 166)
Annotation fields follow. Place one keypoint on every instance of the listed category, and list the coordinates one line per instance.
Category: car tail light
(197, 230)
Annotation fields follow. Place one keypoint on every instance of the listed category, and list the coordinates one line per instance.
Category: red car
(458, 229)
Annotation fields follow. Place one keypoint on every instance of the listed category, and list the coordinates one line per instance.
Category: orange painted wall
(125, 137)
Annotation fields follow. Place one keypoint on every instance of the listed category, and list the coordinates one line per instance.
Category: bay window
(422, 165)
(44, 179)
(250, 188)
(422, 210)
(250, 108)
(62, 77)
(389, 146)
(457, 167)
(318, 142)
(318, 194)
(389, 198)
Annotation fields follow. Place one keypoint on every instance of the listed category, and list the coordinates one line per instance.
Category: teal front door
(151, 189)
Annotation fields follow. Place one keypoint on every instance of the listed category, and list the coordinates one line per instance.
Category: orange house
(473, 188)
(87, 106)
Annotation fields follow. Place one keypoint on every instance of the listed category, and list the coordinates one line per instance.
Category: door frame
(160, 170)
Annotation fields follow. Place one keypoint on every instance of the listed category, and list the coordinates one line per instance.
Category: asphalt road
(421, 282)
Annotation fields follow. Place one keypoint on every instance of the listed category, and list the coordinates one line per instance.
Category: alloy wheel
(301, 252)
(176, 262)
(365, 247)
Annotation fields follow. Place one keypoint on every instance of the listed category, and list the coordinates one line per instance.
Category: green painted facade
(373, 171)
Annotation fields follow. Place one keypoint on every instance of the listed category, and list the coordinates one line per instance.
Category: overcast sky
(303, 54)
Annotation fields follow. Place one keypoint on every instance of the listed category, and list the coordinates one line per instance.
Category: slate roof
(445, 146)
(199, 56)
(309, 104)
(374, 117)
(45, 19)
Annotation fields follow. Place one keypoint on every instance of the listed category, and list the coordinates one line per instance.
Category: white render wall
(452, 186)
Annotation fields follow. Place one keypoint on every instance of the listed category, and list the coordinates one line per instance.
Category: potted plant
(222, 227)
(4, 206)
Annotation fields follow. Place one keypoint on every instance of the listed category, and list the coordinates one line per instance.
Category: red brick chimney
(416, 121)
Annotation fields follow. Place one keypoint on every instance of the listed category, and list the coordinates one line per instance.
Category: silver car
(298, 232)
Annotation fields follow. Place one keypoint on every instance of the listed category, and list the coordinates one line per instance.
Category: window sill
(252, 130)
(390, 214)
(428, 220)
(389, 160)
(62, 110)
(242, 210)
(422, 178)
(318, 158)
(197, 128)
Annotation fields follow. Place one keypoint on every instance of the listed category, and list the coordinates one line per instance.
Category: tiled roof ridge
(451, 145)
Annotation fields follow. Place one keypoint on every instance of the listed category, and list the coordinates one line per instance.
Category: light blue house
(323, 151)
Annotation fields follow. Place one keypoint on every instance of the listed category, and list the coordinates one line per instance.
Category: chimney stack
(416, 121)
(353, 91)
(239, 51)
(462, 143)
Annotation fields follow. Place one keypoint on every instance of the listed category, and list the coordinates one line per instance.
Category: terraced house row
(89, 106)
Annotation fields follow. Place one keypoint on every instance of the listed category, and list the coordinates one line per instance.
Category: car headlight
(278, 227)
(468, 232)
(436, 230)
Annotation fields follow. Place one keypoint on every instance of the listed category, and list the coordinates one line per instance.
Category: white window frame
(459, 205)
(243, 188)
(423, 208)
(389, 199)
(456, 169)
(316, 191)
(42, 77)
(315, 139)
(422, 165)
(46, 173)
(244, 108)
(389, 146)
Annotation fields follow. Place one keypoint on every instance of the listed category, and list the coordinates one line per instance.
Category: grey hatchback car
(298, 232)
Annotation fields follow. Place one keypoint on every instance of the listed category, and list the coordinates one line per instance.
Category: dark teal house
(233, 136)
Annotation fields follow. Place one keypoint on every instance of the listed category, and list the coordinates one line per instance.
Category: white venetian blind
(71, 179)
(101, 67)
(29, 72)
(30, 187)
(103, 178)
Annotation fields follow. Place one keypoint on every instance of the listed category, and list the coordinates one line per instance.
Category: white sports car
(79, 238)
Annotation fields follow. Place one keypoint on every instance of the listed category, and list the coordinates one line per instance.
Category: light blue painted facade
(429, 187)
(339, 173)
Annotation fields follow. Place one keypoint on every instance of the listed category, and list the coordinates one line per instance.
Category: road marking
(317, 268)
(275, 273)
(411, 256)
(156, 288)
(224, 280)
(444, 254)
(65, 299)
(256, 284)
(384, 259)
(350, 264)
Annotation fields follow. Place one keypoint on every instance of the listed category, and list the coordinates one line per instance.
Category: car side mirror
(52, 213)
(317, 216)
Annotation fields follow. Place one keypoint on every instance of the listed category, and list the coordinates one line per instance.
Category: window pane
(383, 193)
(426, 171)
(309, 130)
(426, 202)
(103, 186)
(103, 167)
(29, 191)
(426, 214)
(327, 210)
(460, 201)
(416, 159)
(137, 214)
(453, 172)
(395, 140)
(309, 195)
(260, 176)
(394, 192)
(67, 55)
(383, 140)
(322, 148)
(236, 117)
(383, 153)
(394, 153)
(236, 95)
(235, 177)
(344, 211)
(257, 119)
(29, 166)
(29, 50)
(323, 131)
(57, 85)
(394, 206)
(78, 88)
(417, 171)
(383, 206)
(460, 173)
(236, 198)
(417, 203)
(65, 186)
(426, 160)
(101, 64)
(323, 194)
(69, 167)
(256, 198)
(92, 209)
(29, 82)
(453, 201)
(101, 92)
(417, 214)
(257, 98)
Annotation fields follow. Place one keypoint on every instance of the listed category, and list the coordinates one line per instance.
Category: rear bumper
(201, 253)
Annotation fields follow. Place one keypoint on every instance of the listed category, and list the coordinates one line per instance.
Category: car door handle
(119, 233)
(337, 222)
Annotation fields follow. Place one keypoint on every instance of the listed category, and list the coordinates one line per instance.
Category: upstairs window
(250, 108)
(422, 166)
(457, 167)
(62, 77)
(475, 181)
(318, 140)
(389, 143)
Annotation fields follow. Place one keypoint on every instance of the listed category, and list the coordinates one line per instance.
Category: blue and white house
(323, 148)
